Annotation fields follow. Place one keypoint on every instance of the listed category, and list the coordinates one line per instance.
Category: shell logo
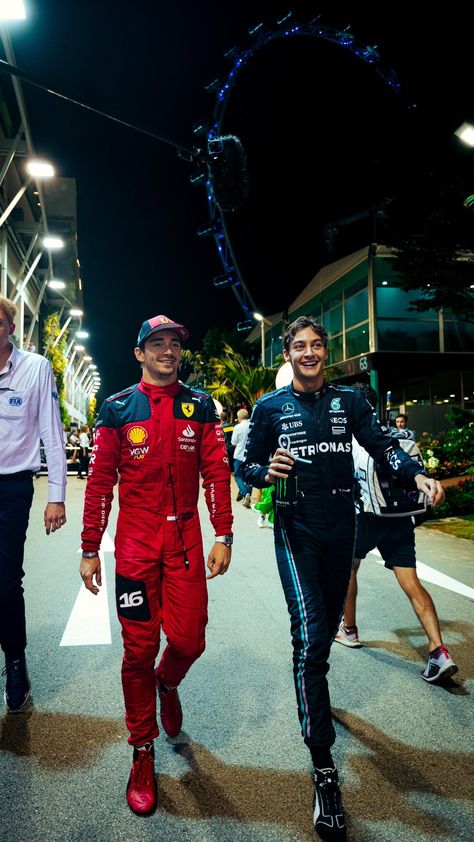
(137, 435)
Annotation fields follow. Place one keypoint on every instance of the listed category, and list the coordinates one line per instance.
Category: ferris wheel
(222, 167)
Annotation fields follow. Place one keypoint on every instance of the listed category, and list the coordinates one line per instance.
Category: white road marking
(429, 574)
(89, 621)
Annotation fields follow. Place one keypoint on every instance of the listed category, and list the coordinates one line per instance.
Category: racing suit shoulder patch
(125, 408)
(283, 391)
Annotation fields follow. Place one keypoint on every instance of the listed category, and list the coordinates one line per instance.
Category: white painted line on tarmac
(89, 621)
(429, 574)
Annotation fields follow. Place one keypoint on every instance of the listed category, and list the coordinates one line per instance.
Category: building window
(356, 308)
(357, 340)
(333, 320)
(356, 287)
(335, 349)
(404, 335)
(458, 336)
(392, 301)
(330, 299)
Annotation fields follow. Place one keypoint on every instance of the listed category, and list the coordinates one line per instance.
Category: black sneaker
(328, 816)
(17, 690)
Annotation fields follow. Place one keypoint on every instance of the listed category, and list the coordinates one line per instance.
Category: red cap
(160, 323)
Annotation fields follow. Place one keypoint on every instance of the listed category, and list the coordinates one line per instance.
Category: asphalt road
(242, 773)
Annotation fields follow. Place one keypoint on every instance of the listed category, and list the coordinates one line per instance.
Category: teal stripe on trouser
(300, 683)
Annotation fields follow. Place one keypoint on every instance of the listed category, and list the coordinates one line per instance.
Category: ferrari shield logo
(188, 409)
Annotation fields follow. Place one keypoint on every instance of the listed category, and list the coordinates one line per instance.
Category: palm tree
(233, 377)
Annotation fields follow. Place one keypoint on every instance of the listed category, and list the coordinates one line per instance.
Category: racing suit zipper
(175, 510)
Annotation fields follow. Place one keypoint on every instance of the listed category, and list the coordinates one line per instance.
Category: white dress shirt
(239, 438)
(29, 411)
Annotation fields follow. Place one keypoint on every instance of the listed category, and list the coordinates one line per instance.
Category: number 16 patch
(132, 599)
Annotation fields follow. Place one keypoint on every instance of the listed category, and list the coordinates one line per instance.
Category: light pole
(259, 318)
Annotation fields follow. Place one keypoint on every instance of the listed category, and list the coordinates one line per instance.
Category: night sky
(325, 138)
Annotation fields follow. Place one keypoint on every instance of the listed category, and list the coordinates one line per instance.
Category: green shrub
(459, 501)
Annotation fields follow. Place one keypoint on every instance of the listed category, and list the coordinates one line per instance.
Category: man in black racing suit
(310, 425)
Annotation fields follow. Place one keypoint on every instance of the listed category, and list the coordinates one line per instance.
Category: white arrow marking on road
(89, 621)
(429, 574)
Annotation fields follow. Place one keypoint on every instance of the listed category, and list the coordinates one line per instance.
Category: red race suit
(156, 441)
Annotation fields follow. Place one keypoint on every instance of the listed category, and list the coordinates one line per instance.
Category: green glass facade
(425, 358)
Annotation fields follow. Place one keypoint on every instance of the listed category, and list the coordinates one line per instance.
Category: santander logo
(188, 432)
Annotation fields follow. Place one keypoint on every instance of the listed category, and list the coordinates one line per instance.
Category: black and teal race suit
(314, 546)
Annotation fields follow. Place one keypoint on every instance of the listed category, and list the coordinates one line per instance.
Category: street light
(259, 318)
(12, 10)
(465, 132)
(74, 313)
(55, 283)
(53, 243)
(82, 334)
(39, 169)
(35, 169)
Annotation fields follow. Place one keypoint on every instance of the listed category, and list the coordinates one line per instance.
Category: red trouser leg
(138, 553)
(184, 601)
(154, 588)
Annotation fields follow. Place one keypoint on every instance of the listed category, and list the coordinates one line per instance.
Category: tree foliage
(57, 358)
(235, 380)
(427, 224)
(92, 411)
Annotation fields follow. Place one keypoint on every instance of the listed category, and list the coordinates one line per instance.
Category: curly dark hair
(300, 324)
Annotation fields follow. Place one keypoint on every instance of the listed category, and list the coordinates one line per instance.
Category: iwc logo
(137, 435)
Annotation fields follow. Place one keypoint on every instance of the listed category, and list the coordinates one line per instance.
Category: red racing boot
(171, 713)
(141, 787)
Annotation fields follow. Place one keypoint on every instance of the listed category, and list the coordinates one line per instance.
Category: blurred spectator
(239, 441)
(83, 452)
(228, 428)
(75, 442)
(401, 423)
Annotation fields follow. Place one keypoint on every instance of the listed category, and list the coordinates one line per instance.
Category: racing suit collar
(308, 396)
(159, 391)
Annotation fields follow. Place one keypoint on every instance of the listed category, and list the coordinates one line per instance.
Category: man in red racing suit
(156, 438)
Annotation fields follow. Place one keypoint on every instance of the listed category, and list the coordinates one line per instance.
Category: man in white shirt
(29, 411)
(239, 441)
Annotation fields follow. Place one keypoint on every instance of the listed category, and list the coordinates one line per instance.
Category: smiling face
(160, 357)
(307, 356)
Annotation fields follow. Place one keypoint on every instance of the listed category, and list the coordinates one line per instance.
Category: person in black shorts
(395, 540)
